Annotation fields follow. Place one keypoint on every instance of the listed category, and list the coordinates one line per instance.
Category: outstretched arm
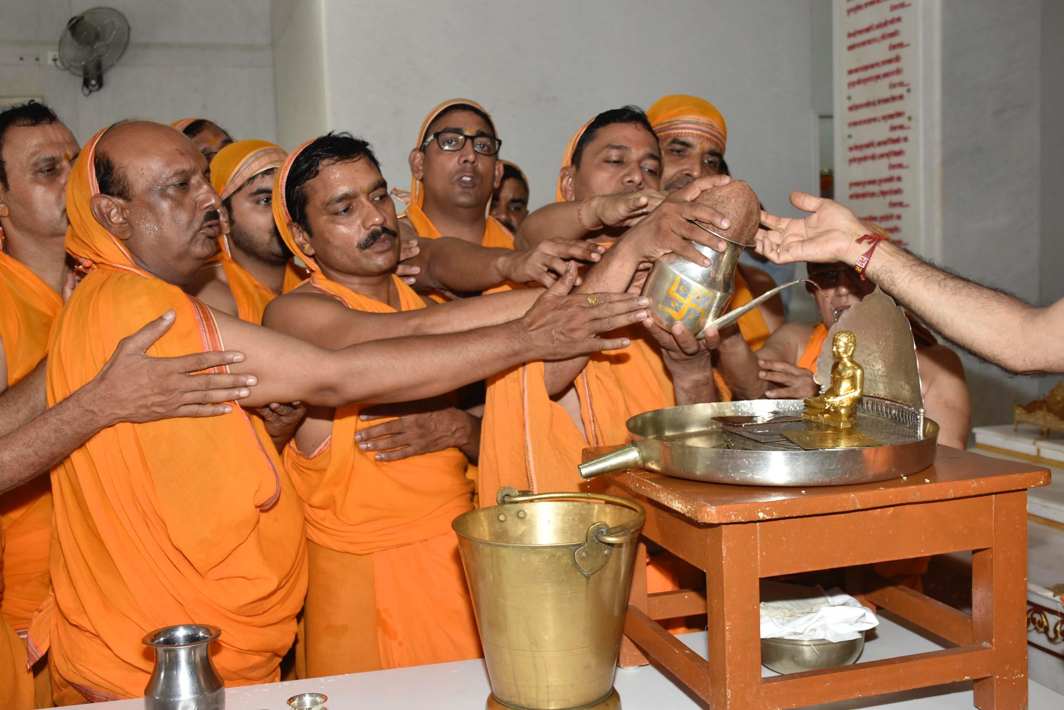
(569, 221)
(558, 326)
(458, 265)
(320, 319)
(131, 387)
(992, 324)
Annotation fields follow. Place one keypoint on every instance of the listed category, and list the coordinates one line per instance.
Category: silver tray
(764, 443)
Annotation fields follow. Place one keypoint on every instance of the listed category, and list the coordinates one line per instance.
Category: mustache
(375, 235)
(210, 216)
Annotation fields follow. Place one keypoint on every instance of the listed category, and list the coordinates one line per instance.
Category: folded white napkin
(816, 614)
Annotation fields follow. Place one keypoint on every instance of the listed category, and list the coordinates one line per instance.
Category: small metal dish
(794, 656)
(308, 701)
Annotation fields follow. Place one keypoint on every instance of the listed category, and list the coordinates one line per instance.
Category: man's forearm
(23, 401)
(41, 443)
(739, 367)
(479, 312)
(408, 369)
(611, 275)
(991, 324)
(458, 265)
(558, 220)
(694, 384)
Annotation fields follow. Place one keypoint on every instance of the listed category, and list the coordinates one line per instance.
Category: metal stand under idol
(549, 576)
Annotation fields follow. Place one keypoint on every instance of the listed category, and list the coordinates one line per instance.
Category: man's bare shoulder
(787, 342)
(298, 305)
(937, 361)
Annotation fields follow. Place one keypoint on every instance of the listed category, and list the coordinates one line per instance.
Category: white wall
(299, 67)
(542, 68)
(1052, 153)
(187, 58)
(991, 167)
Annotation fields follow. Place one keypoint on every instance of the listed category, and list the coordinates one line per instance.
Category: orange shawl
(175, 521)
(28, 307)
(356, 504)
(495, 235)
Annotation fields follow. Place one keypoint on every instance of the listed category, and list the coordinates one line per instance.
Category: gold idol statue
(836, 406)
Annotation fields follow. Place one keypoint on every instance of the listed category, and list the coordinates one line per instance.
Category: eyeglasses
(454, 141)
(831, 278)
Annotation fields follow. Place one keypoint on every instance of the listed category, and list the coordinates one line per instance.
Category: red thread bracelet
(862, 261)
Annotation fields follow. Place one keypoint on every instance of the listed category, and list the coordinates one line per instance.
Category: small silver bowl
(308, 701)
(793, 656)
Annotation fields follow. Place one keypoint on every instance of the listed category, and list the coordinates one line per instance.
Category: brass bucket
(549, 575)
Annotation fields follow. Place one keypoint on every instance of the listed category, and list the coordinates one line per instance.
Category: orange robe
(16, 683)
(28, 307)
(294, 274)
(250, 295)
(169, 522)
(380, 534)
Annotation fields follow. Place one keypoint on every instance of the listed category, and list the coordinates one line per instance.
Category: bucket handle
(611, 536)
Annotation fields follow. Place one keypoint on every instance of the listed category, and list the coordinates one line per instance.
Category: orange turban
(86, 239)
(567, 159)
(238, 162)
(681, 113)
(417, 190)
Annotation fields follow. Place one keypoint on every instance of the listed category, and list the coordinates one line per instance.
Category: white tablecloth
(464, 686)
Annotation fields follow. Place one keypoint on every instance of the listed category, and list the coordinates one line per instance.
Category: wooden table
(739, 535)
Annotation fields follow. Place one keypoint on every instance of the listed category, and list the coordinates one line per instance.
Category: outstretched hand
(677, 222)
(786, 381)
(548, 260)
(828, 234)
(560, 326)
(134, 387)
(624, 208)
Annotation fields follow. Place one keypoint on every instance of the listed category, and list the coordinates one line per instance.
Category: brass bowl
(794, 656)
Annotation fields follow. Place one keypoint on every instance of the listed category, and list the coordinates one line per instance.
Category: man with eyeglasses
(784, 367)
(461, 250)
(455, 169)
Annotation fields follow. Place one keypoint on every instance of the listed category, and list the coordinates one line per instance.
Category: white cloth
(816, 614)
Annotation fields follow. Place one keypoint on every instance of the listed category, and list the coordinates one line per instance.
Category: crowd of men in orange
(240, 387)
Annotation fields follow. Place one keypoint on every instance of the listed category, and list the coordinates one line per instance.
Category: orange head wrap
(281, 215)
(417, 189)
(681, 113)
(567, 159)
(86, 239)
(238, 162)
